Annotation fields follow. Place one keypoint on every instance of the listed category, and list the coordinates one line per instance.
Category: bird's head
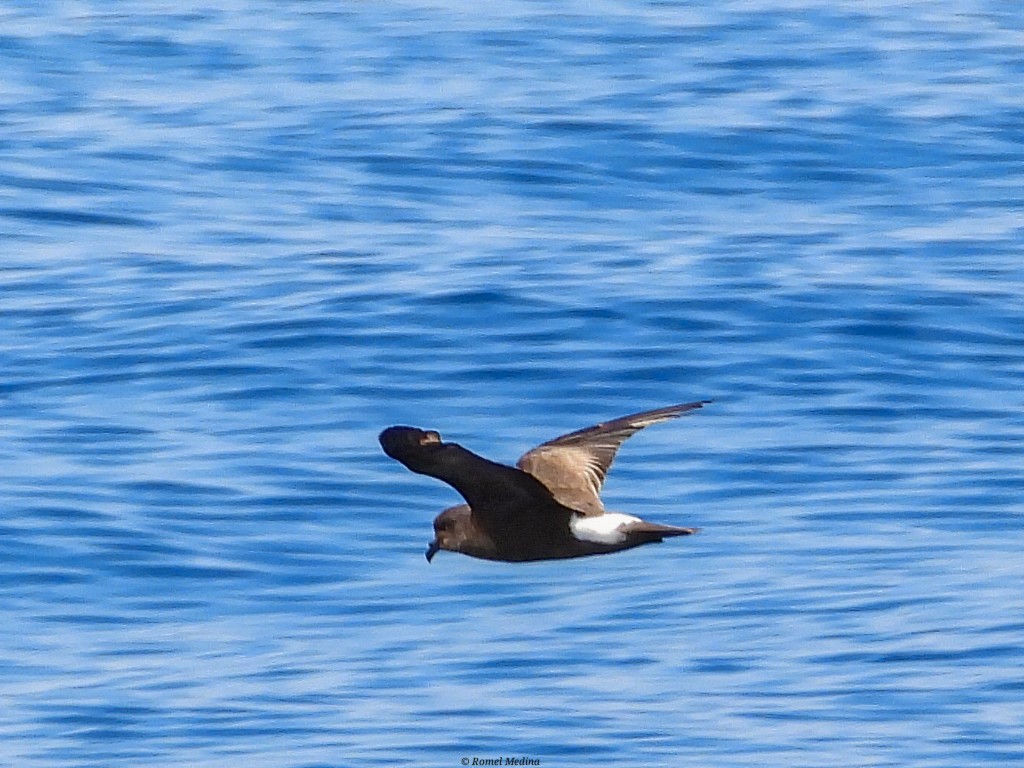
(452, 531)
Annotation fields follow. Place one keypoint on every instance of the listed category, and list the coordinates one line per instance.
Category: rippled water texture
(239, 241)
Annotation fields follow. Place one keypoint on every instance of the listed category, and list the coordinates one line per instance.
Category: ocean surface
(239, 239)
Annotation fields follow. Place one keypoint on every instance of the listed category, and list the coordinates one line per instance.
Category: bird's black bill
(432, 550)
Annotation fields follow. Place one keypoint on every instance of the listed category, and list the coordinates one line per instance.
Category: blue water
(239, 241)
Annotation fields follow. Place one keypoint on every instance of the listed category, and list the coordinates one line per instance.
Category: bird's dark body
(532, 511)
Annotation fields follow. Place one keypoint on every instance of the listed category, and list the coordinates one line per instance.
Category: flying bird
(547, 507)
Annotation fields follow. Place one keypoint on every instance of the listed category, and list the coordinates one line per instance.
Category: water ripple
(240, 245)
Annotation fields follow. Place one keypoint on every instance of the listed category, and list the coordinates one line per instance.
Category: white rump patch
(602, 529)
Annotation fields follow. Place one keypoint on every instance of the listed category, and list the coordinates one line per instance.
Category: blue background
(237, 241)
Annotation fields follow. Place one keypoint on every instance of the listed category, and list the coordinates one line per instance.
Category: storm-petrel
(546, 507)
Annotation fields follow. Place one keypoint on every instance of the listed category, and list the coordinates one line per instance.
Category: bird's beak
(432, 550)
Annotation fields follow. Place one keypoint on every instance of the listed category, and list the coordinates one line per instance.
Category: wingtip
(674, 411)
(696, 405)
(690, 406)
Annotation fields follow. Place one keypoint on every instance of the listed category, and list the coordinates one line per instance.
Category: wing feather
(574, 466)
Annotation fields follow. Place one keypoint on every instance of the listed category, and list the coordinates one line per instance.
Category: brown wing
(574, 466)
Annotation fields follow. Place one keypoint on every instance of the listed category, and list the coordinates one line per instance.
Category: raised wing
(574, 466)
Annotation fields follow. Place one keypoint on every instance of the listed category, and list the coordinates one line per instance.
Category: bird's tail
(647, 532)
